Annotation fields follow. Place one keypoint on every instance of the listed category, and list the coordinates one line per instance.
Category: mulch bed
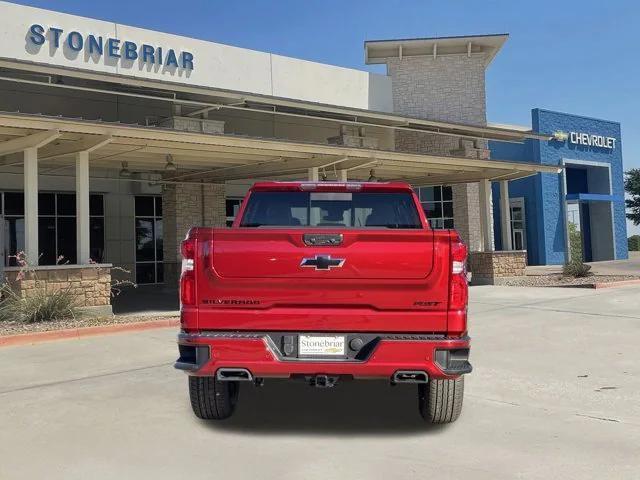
(17, 328)
(556, 280)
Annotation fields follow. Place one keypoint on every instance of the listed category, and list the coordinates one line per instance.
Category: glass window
(145, 273)
(145, 206)
(158, 204)
(232, 208)
(56, 226)
(14, 203)
(331, 209)
(96, 241)
(47, 204)
(437, 203)
(426, 194)
(14, 238)
(145, 249)
(67, 245)
(96, 205)
(149, 239)
(447, 209)
(158, 237)
(66, 204)
(160, 272)
(47, 240)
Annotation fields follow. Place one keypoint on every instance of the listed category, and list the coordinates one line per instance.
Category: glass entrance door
(148, 225)
(518, 224)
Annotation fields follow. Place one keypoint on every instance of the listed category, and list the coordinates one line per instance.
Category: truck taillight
(459, 289)
(187, 276)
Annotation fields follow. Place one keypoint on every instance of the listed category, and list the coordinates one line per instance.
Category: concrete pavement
(631, 266)
(555, 394)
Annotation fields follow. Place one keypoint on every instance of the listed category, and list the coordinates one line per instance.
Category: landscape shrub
(576, 269)
(38, 306)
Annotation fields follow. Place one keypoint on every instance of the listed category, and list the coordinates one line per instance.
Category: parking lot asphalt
(555, 393)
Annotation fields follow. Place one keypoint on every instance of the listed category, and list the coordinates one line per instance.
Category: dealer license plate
(315, 345)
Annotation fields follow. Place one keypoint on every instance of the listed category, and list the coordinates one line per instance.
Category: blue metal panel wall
(543, 193)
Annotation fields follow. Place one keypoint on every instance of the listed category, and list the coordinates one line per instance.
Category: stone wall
(187, 205)
(90, 284)
(448, 88)
(466, 220)
(488, 268)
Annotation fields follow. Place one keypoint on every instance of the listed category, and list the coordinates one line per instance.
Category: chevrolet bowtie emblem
(322, 262)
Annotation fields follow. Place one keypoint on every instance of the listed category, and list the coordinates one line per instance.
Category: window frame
(230, 219)
(441, 202)
(55, 217)
(154, 219)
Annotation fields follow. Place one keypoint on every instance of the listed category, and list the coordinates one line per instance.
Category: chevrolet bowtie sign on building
(585, 139)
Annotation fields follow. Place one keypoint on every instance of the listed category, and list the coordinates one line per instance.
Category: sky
(576, 56)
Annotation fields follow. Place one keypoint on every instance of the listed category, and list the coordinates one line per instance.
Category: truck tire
(440, 401)
(211, 399)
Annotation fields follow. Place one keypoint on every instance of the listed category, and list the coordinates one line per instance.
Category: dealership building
(114, 140)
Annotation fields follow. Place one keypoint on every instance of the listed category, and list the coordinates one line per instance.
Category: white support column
(31, 248)
(313, 174)
(505, 215)
(485, 216)
(82, 207)
(342, 175)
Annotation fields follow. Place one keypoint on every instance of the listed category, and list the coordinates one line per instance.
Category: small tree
(575, 243)
(632, 187)
(634, 243)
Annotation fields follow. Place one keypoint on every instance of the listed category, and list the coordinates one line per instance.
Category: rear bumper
(202, 354)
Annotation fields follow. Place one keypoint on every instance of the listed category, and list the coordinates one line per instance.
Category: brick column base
(491, 268)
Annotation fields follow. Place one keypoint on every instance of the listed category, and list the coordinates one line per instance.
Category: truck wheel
(440, 401)
(211, 399)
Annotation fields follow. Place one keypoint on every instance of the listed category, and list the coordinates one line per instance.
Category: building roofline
(586, 117)
(379, 51)
(450, 37)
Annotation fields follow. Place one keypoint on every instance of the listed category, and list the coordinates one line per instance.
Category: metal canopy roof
(217, 158)
(198, 99)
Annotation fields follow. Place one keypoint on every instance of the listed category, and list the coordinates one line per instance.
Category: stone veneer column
(187, 205)
(215, 210)
(449, 88)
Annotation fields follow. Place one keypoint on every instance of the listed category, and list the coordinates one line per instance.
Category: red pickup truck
(325, 282)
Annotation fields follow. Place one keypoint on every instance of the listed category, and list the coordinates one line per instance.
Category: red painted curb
(38, 337)
(621, 283)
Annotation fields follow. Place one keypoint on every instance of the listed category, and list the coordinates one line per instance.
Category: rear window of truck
(331, 209)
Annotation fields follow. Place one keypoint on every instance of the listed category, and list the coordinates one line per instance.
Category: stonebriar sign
(97, 45)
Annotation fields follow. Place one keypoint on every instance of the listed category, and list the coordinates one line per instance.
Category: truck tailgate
(272, 279)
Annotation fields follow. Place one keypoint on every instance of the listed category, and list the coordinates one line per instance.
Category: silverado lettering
(335, 269)
(224, 301)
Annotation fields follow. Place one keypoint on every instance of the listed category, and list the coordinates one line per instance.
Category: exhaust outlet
(410, 376)
(234, 375)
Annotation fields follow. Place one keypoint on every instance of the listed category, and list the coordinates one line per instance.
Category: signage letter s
(37, 32)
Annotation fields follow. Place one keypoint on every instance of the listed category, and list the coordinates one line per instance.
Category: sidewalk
(613, 267)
